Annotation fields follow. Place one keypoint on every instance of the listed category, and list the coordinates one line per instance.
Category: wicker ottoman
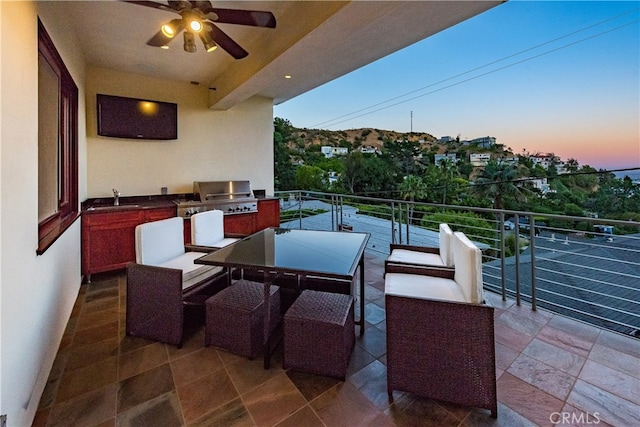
(319, 333)
(235, 317)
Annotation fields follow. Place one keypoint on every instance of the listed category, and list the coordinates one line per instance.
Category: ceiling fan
(200, 18)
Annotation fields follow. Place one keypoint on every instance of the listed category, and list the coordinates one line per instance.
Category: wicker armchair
(424, 255)
(440, 334)
(164, 280)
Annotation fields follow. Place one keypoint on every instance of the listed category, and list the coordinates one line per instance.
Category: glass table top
(302, 251)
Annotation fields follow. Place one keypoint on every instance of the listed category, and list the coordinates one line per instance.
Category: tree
(448, 172)
(311, 178)
(497, 182)
(352, 166)
(284, 171)
(572, 165)
(412, 188)
(374, 177)
(402, 156)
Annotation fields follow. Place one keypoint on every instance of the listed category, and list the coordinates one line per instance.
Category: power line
(593, 172)
(337, 120)
(516, 180)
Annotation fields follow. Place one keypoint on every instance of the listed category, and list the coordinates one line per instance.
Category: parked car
(523, 225)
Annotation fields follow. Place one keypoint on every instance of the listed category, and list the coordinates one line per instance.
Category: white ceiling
(314, 42)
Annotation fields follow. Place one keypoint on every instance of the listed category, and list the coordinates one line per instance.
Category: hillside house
(329, 151)
(479, 159)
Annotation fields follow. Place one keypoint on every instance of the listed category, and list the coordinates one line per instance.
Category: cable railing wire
(590, 280)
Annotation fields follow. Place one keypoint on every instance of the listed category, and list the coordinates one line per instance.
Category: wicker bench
(319, 333)
(235, 317)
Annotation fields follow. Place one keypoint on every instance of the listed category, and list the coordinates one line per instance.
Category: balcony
(553, 369)
(568, 265)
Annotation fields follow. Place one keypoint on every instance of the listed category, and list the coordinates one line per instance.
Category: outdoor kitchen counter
(133, 202)
(108, 231)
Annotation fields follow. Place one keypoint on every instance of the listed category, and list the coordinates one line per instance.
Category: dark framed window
(57, 144)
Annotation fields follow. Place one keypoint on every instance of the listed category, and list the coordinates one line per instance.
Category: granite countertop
(105, 204)
(133, 202)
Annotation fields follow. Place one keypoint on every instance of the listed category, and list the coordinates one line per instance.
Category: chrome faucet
(116, 197)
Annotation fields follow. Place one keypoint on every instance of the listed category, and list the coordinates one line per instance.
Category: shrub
(471, 224)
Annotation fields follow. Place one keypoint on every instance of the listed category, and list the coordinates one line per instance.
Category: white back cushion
(207, 228)
(159, 241)
(468, 267)
(446, 251)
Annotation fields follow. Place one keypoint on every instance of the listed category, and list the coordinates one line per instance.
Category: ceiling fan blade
(159, 39)
(152, 4)
(179, 5)
(253, 18)
(226, 42)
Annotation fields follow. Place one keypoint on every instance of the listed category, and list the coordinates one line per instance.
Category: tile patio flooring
(551, 370)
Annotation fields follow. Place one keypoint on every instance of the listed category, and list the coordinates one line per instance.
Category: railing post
(300, 209)
(502, 258)
(516, 219)
(409, 220)
(393, 222)
(341, 210)
(333, 212)
(400, 224)
(532, 248)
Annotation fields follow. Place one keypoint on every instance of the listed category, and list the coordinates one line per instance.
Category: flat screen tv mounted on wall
(120, 117)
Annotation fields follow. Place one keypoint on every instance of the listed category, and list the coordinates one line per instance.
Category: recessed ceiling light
(287, 76)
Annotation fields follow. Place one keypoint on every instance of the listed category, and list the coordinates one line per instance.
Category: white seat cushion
(185, 263)
(224, 242)
(422, 287)
(199, 274)
(415, 257)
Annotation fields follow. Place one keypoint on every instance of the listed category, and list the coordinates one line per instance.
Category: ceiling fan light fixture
(194, 23)
(171, 28)
(189, 42)
(209, 44)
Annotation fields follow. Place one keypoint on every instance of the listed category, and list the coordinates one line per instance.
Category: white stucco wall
(212, 145)
(37, 292)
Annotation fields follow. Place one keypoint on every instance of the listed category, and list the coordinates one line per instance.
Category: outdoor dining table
(278, 251)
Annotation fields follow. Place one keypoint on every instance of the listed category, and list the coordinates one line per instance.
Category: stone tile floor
(551, 370)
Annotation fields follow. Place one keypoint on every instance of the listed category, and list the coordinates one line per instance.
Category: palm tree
(412, 188)
(497, 182)
(572, 165)
(448, 172)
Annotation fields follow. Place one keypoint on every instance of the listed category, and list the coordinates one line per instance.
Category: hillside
(354, 138)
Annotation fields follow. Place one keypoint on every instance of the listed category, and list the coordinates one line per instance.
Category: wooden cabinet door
(108, 241)
(156, 214)
(108, 238)
(240, 224)
(268, 214)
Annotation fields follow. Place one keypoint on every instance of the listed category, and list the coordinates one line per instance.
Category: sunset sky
(540, 76)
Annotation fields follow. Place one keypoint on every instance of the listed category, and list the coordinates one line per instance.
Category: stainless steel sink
(112, 208)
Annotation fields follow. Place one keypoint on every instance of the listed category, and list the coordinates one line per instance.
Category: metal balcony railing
(573, 266)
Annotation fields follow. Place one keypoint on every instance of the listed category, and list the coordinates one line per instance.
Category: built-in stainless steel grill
(231, 197)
